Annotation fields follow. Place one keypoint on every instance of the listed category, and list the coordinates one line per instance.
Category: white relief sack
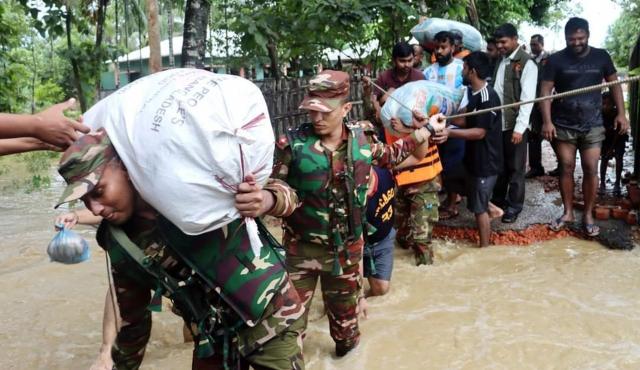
(187, 137)
(426, 31)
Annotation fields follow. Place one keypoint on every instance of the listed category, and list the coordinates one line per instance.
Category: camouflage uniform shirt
(311, 221)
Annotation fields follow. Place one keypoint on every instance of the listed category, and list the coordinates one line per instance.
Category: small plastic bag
(68, 247)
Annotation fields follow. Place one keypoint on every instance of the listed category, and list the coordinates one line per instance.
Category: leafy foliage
(35, 68)
(14, 25)
(496, 12)
(303, 30)
(624, 32)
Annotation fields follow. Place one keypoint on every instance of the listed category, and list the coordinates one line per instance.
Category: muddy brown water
(564, 304)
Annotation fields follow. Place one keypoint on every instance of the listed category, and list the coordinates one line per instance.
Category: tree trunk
(273, 56)
(472, 14)
(394, 30)
(34, 74)
(634, 108)
(194, 38)
(74, 63)
(172, 61)
(153, 27)
(424, 10)
(98, 52)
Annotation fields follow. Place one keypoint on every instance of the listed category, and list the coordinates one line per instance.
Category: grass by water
(27, 172)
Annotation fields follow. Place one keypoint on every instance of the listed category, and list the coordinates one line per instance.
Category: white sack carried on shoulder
(425, 32)
(187, 137)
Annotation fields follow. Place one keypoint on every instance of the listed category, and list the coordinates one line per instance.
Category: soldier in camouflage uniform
(416, 206)
(242, 309)
(416, 213)
(327, 162)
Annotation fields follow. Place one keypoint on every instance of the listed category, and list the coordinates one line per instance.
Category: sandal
(559, 224)
(591, 230)
(447, 214)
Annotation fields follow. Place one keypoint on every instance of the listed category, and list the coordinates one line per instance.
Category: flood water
(564, 304)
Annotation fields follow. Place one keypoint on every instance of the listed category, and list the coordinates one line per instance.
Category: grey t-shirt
(569, 72)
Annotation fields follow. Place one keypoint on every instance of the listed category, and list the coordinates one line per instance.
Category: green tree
(14, 26)
(81, 24)
(299, 31)
(492, 14)
(624, 32)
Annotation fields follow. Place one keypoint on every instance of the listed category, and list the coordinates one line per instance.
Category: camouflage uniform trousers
(339, 293)
(283, 352)
(416, 213)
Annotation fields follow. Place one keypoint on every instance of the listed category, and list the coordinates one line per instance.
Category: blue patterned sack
(428, 97)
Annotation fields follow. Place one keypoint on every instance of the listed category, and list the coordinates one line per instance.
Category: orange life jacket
(463, 53)
(427, 169)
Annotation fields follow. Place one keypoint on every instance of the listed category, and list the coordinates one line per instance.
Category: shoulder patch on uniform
(365, 126)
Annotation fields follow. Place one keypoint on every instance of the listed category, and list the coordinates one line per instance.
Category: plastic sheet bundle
(425, 96)
(426, 31)
(68, 247)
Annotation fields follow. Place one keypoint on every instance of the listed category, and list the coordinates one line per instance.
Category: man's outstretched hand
(53, 127)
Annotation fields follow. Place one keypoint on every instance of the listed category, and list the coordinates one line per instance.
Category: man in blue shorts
(378, 250)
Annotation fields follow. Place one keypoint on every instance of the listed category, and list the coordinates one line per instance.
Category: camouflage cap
(82, 164)
(327, 91)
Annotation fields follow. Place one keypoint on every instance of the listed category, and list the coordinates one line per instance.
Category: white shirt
(449, 75)
(542, 55)
(528, 84)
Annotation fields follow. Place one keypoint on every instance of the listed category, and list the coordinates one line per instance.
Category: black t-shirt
(569, 72)
(483, 158)
(380, 205)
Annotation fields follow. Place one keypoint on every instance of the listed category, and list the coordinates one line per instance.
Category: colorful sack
(68, 247)
(426, 31)
(427, 97)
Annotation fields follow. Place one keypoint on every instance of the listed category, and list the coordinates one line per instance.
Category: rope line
(579, 91)
(390, 95)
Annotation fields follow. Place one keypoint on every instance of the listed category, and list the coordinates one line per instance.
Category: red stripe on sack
(254, 122)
